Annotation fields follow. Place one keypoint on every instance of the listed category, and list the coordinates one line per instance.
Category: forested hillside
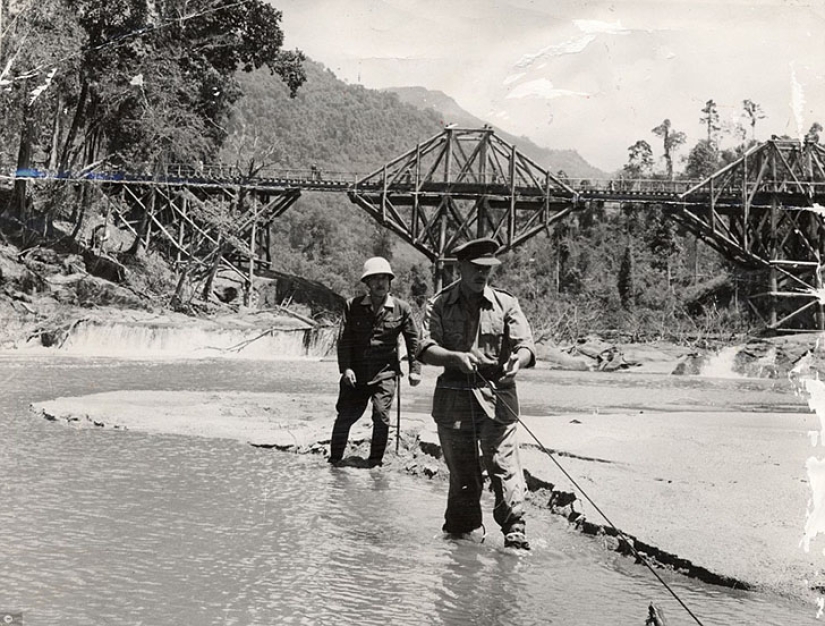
(568, 161)
(335, 126)
(628, 271)
(131, 86)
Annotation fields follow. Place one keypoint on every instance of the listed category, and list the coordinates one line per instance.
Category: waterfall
(721, 364)
(159, 341)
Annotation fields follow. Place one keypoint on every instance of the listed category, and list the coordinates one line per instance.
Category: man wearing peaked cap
(368, 359)
(478, 251)
(481, 338)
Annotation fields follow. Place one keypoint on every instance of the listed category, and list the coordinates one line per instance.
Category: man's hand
(348, 377)
(414, 379)
(467, 362)
(511, 368)
(483, 360)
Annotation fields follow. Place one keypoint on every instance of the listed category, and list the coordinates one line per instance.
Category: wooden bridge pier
(764, 211)
(212, 226)
(459, 185)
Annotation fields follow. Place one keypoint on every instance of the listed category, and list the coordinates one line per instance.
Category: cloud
(593, 27)
(571, 46)
(540, 88)
(590, 28)
(514, 77)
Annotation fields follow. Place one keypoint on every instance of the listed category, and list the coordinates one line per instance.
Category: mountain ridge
(567, 160)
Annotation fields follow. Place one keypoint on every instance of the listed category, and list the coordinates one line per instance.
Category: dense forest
(139, 86)
(624, 270)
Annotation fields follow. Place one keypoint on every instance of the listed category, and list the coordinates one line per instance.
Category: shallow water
(107, 527)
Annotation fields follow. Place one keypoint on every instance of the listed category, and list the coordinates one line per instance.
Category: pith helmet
(479, 251)
(375, 266)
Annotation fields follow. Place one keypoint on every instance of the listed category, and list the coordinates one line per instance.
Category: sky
(590, 75)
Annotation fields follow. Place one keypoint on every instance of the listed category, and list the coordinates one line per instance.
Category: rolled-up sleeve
(345, 341)
(520, 335)
(431, 328)
(412, 340)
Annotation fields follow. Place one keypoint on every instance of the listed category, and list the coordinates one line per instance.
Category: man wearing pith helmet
(368, 359)
(481, 338)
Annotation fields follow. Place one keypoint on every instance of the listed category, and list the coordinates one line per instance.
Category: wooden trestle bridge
(764, 211)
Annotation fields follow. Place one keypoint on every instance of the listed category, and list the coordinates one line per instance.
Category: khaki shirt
(368, 340)
(497, 329)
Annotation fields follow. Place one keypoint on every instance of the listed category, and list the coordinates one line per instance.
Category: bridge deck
(616, 190)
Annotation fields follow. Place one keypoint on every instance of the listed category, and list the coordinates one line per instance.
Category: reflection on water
(106, 527)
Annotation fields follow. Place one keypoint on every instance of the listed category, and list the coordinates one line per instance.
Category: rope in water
(627, 540)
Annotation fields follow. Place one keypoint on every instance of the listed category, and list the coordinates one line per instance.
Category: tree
(812, 135)
(711, 121)
(753, 112)
(383, 241)
(702, 160)
(660, 236)
(34, 41)
(155, 82)
(419, 280)
(640, 160)
(671, 140)
(625, 279)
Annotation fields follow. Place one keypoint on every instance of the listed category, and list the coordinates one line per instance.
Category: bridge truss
(459, 185)
(764, 211)
(206, 226)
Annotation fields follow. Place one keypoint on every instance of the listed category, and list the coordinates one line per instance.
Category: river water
(100, 527)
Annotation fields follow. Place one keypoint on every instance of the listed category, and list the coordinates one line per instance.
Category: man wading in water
(368, 359)
(482, 339)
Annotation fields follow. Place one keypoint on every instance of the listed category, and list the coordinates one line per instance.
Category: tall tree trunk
(71, 136)
(24, 155)
(213, 271)
(79, 212)
(141, 242)
(54, 159)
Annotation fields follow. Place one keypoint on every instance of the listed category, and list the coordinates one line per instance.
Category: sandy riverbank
(719, 495)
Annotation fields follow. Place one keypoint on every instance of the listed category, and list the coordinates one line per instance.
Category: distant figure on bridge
(316, 173)
(368, 359)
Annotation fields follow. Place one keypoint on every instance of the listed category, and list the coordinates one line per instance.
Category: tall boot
(338, 441)
(380, 435)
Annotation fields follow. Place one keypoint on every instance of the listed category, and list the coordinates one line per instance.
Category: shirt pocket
(490, 335)
(387, 330)
(361, 330)
(392, 322)
(454, 331)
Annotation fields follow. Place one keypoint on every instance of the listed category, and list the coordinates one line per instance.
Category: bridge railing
(314, 177)
(182, 171)
(621, 184)
(224, 172)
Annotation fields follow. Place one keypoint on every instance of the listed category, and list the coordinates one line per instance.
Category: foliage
(753, 113)
(627, 294)
(702, 160)
(336, 127)
(710, 118)
(640, 160)
(813, 132)
(130, 81)
(671, 140)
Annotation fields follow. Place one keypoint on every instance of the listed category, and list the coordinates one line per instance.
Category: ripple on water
(105, 527)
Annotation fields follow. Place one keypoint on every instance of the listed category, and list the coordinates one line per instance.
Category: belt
(476, 382)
